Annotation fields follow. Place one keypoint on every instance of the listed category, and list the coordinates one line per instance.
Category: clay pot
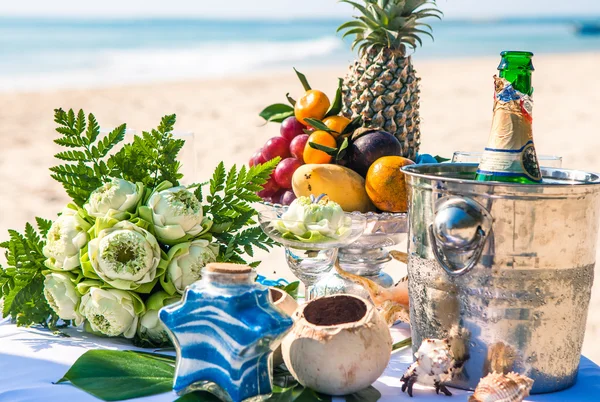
(288, 305)
(339, 345)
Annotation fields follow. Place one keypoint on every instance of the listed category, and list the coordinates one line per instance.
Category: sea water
(49, 53)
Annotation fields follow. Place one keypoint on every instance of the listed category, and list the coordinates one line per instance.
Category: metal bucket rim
(414, 171)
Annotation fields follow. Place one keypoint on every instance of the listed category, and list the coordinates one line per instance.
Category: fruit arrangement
(352, 147)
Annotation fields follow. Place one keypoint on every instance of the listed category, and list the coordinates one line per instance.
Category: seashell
(435, 357)
(511, 387)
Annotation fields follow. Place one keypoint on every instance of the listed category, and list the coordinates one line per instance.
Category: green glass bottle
(510, 154)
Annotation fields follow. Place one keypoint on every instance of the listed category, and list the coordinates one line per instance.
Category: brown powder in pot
(275, 295)
(335, 310)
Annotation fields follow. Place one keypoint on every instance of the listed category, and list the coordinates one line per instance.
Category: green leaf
(303, 80)
(370, 394)
(342, 150)
(229, 207)
(352, 24)
(113, 375)
(402, 344)
(353, 125)
(328, 150)
(441, 159)
(292, 289)
(336, 106)
(277, 112)
(151, 158)
(317, 124)
(290, 99)
(198, 396)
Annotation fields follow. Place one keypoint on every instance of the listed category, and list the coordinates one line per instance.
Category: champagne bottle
(510, 154)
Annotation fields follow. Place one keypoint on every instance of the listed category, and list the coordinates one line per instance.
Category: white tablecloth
(31, 360)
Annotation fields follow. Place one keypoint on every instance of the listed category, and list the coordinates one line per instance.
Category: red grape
(287, 197)
(297, 146)
(290, 128)
(256, 159)
(276, 146)
(277, 196)
(284, 171)
(269, 189)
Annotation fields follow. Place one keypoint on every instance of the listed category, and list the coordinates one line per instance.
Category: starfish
(224, 342)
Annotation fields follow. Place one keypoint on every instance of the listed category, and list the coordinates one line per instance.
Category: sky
(284, 9)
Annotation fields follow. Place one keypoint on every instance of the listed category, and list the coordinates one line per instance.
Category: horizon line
(504, 18)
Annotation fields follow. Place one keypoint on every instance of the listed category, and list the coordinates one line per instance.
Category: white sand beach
(456, 106)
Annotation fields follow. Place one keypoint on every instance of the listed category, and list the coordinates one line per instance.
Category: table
(32, 359)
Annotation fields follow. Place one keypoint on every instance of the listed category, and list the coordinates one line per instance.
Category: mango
(341, 185)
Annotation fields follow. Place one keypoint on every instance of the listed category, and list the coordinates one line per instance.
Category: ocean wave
(89, 68)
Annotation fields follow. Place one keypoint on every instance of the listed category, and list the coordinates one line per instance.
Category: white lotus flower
(125, 256)
(62, 297)
(111, 312)
(186, 261)
(176, 213)
(114, 199)
(67, 235)
(150, 327)
(314, 218)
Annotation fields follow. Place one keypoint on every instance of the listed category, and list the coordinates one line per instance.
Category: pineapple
(382, 86)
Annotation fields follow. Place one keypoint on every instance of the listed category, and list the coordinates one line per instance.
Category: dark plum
(370, 146)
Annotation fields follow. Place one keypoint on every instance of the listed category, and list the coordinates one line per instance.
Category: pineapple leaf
(303, 80)
(277, 112)
(351, 24)
(391, 24)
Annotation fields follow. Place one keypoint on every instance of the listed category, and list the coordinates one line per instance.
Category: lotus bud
(62, 296)
(111, 312)
(67, 235)
(125, 256)
(114, 199)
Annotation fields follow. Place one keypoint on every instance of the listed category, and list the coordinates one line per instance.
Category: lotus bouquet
(132, 238)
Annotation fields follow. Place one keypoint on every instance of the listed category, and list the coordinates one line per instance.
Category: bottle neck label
(510, 151)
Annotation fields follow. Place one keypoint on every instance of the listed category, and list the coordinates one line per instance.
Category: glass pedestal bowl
(309, 261)
(367, 255)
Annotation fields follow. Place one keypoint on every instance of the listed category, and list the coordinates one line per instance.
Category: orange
(386, 185)
(312, 155)
(336, 124)
(313, 104)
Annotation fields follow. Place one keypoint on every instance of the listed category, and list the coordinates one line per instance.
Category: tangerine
(337, 124)
(386, 184)
(312, 155)
(313, 104)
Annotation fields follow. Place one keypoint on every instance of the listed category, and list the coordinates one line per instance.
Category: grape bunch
(289, 146)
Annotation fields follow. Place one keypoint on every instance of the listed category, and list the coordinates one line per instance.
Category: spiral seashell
(495, 387)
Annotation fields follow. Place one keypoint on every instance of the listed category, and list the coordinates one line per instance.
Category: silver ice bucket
(503, 270)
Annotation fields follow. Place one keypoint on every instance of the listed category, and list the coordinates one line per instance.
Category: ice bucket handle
(458, 234)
